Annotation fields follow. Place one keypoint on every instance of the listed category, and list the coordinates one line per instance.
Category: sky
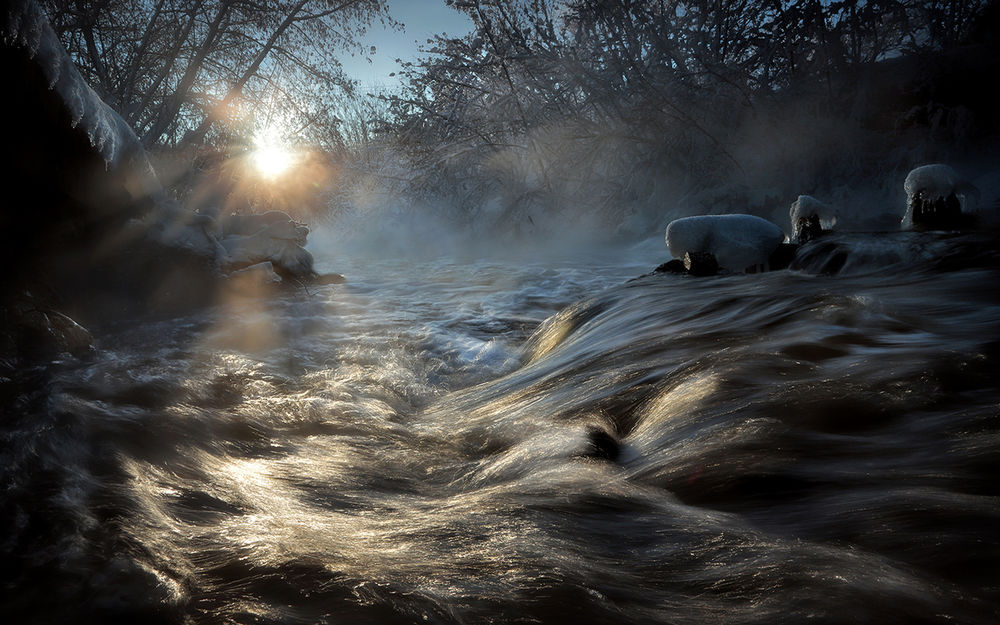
(422, 20)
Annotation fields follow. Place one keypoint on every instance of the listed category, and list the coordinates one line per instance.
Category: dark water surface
(489, 442)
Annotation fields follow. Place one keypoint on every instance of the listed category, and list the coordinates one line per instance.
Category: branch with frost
(198, 135)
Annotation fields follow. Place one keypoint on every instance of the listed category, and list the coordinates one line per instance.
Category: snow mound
(934, 181)
(737, 242)
(272, 237)
(806, 208)
(928, 184)
(25, 26)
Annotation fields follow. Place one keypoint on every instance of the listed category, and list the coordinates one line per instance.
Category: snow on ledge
(25, 26)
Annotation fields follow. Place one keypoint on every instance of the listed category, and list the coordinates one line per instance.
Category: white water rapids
(418, 445)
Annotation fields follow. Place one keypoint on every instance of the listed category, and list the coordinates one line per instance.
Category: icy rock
(810, 218)
(274, 237)
(25, 27)
(261, 271)
(329, 278)
(87, 213)
(601, 444)
(34, 332)
(278, 224)
(176, 227)
(937, 197)
(671, 266)
(737, 242)
(250, 283)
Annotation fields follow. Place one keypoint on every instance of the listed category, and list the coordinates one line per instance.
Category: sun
(272, 160)
(270, 156)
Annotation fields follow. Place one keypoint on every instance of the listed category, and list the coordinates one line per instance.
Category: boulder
(601, 445)
(261, 272)
(737, 242)
(939, 198)
(329, 278)
(277, 243)
(700, 264)
(672, 266)
(810, 218)
(84, 212)
(33, 332)
(277, 223)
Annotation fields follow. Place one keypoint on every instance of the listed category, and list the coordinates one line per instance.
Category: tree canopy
(183, 71)
(600, 101)
(547, 105)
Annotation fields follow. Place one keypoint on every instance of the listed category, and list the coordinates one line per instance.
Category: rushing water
(455, 441)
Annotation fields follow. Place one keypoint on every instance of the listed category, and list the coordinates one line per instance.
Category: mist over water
(428, 442)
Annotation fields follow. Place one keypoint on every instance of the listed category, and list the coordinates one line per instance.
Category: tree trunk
(172, 105)
(128, 84)
(168, 65)
(197, 135)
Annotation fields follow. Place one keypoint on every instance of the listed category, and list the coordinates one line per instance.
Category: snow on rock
(933, 181)
(25, 26)
(277, 223)
(809, 217)
(85, 212)
(77, 159)
(268, 237)
(738, 242)
(261, 272)
(937, 196)
(174, 227)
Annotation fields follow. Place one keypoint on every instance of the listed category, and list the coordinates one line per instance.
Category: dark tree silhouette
(177, 70)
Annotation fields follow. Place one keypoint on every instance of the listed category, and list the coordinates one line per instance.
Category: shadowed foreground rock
(700, 264)
(87, 232)
(87, 226)
(939, 198)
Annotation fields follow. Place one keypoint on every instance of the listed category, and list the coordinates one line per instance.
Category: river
(471, 440)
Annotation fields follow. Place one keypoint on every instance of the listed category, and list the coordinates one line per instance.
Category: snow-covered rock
(26, 28)
(938, 197)
(738, 242)
(279, 224)
(84, 212)
(269, 237)
(78, 166)
(261, 272)
(810, 217)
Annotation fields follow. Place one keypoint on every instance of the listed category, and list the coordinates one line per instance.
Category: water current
(456, 440)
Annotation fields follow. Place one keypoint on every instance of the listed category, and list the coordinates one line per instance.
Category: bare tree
(660, 89)
(178, 69)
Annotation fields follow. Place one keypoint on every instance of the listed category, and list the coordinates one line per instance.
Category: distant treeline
(619, 108)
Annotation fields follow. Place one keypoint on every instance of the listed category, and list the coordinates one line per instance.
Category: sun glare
(271, 157)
